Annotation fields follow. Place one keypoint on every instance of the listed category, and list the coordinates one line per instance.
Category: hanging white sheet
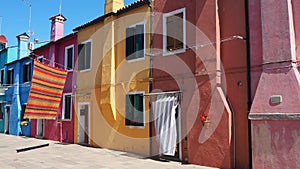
(164, 113)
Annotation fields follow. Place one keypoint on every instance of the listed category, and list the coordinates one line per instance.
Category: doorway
(83, 123)
(6, 121)
(40, 128)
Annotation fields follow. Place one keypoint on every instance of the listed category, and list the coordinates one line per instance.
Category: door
(83, 123)
(40, 128)
(6, 121)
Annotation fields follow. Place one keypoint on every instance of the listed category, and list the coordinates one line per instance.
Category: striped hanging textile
(45, 92)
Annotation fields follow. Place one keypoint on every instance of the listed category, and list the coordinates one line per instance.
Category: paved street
(58, 155)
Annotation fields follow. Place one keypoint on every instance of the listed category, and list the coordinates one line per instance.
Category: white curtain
(164, 112)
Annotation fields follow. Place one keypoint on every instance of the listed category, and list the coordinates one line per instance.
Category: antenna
(60, 9)
(0, 25)
(29, 19)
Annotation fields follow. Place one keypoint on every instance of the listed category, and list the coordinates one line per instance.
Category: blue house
(18, 79)
(7, 54)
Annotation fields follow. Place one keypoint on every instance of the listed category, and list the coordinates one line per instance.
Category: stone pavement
(58, 155)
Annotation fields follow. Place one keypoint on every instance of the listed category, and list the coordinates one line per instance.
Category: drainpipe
(150, 73)
(248, 76)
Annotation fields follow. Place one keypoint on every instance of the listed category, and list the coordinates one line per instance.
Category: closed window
(10, 77)
(26, 72)
(84, 56)
(134, 110)
(174, 31)
(2, 76)
(69, 57)
(67, 107)
(135, 42)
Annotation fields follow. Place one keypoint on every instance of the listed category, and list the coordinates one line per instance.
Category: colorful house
(201, 64)
(61, 52)
(113, 77)
(274, 52)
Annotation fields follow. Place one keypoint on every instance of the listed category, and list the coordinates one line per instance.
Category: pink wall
(275, 132)
(52, 127)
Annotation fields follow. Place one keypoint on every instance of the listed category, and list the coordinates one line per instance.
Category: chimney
(57, 27)
(22, 45)
(3, 42)
(113, 5)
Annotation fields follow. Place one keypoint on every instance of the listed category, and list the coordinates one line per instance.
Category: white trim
(85, 42)
(40, 58)
(63, 107)
(66, 57)
(165, 51)
(145, 29)
(144, 113)
(89, 120)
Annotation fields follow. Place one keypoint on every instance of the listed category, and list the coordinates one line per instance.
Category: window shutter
(69, 58)
(88, 55)
(139, 110)
(128, 114)
(139, 41)
(81, 53)
(129, 43)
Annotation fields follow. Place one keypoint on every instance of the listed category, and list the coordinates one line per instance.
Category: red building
(275, 85)
(60, 52)
(200, 54)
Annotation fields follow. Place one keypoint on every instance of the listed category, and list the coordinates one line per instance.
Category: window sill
(136, 127)
(135, 60)
(86, 70)
(66, 120)
(178, 51)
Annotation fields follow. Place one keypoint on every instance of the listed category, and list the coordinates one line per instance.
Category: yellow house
(112, 78)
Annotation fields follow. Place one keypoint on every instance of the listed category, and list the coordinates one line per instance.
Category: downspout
(248, 76)
(150, 73)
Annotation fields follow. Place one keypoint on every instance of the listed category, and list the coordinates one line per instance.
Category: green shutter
(81, 53)
(139, 110)
(139, 44)
(129, 42)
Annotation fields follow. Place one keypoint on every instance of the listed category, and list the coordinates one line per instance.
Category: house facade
(110, 85)
(201, 64)
(61, 52)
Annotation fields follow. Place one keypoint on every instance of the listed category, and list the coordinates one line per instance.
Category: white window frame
(26, 64)
(66, 57)
(40, 57)
(134, 25)
(63, 108)
(144, 113)
(165, 51)
(84, 42)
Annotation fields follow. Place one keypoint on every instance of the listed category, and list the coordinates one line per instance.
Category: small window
(2, 76)
(69, 57)
(40, 59)
(84, 56)
(134, 110)
(10, 77)
(174, 31)
(67, 107)
(26, 72)
(135, 42)
(1, 111)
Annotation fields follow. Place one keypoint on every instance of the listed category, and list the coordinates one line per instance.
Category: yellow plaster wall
(110, 79)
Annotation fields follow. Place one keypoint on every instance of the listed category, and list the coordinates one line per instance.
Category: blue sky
(15, 16)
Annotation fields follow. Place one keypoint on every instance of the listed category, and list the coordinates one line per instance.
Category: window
(10, 76)
(135, 42)
(174, 31)
(69, 57)
(2, 76)
(1, 111)
(67, 106)
(26, 72)
(84, 56)
(40, 59)
(134, 109)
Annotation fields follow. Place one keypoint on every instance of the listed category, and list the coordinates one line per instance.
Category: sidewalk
(58, 155)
